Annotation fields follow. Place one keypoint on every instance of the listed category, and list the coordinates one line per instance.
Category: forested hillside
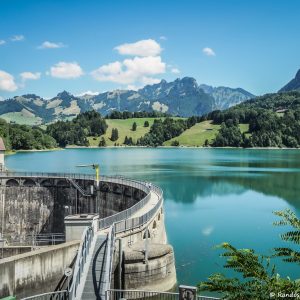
(274, 121)
(17, 137)
(76, 131)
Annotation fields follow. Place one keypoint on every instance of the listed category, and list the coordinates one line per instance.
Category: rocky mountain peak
(64, 95)
(294, 84)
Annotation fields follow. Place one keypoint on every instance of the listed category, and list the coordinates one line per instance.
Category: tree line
(24, 137)
(138, 114)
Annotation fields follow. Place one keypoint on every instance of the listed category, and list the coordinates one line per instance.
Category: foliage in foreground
(257, 277)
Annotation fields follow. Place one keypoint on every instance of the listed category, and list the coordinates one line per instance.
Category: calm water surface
(211, 195)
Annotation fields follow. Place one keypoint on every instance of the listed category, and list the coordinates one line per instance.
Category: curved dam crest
(128, 222)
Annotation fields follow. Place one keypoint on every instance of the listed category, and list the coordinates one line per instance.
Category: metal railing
(40, 239)
(129, 224)
(59, 295)
(121, 219)
(109, 257)
(83, 252)
(78, 187)
(113, 294)
(112, 179)
(36, 239)
(108, 221)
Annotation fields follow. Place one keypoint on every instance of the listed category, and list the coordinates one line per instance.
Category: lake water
(211, 195)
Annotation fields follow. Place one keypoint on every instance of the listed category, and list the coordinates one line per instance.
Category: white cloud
(141, 48)
(2, 42)
(89, 93)
(163, 38)
(208, 51)
(7, 82)
(132, 87)
(175, 71)
(150, 80)
(17, 38)
(51, 45)
(66, 70)
(129, 71)
(30, 76)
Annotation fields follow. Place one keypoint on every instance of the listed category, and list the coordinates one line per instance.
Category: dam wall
(33, 205)
(131, 211)
(35, 272)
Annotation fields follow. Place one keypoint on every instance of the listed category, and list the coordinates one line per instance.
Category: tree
(175, 143)
(146, 124)
(259, 279)
(114, 134)
(102, 142)
(134, 126)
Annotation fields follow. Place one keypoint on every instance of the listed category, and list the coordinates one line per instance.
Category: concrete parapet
(37, 271)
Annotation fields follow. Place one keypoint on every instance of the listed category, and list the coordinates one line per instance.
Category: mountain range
(181, 97)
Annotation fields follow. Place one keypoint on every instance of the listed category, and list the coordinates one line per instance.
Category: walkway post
(146, 246)
(120, 264)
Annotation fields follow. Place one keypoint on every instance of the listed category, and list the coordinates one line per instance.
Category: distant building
(2, 151)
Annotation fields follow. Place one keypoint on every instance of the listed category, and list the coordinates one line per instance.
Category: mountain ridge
(182, 97)
(293, 85)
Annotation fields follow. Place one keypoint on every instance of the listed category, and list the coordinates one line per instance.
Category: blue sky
(49, 46)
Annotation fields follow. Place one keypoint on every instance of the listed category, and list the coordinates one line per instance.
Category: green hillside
(125, 129)
(22, 117)
(199, 133)
(196, 135)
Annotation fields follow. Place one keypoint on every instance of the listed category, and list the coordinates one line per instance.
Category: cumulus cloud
(66, 70)
(7, 82)
(141, 48)
(51, 45)
(175, 71)
(2, 42)
(30, 76)
(208, 51)
(17, 38)
(88, 93)
(129, 71)
(149, 80)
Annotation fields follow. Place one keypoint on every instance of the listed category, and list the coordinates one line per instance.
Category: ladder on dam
(79, 188)
(96, 280)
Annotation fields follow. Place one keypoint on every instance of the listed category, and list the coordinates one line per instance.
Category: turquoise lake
(211, 195)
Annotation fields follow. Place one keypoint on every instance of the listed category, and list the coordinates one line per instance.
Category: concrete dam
(111, 232)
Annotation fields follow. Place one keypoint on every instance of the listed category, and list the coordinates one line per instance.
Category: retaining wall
(35, 272)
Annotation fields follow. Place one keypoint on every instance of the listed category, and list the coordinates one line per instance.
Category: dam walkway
(93, 268)
(95, 281)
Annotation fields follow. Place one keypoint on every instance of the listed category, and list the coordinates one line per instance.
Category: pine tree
(102, 142)
(134, 126)
(114, 134)
(146, 124)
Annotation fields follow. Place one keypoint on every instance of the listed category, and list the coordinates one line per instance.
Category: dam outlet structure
(68, 233)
